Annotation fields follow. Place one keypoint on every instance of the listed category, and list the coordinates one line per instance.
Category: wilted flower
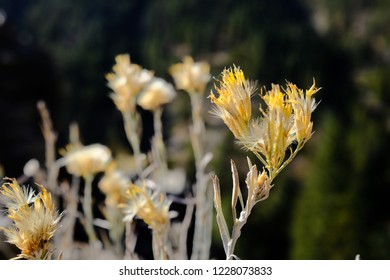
(151, 207)
(258, 185)
(157, 93)
(114, 185)
(86, 160)
(127, 81)
(34, 217)
(233, 103)
(191, 76)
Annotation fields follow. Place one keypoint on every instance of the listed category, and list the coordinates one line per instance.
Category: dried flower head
(114, 185)
(150, 206)
(127, 81)
(258, 185)
(157, 93)
(86, 160)
(191, 76)
(233, 103)
(34, 217)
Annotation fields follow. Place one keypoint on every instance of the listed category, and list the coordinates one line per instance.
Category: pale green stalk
(87, 208)
(70, 195)
(230, 240)
(130, 241)
(159, 151)
(159, 244)
(131, 129)
(203, 201)
(50, 151)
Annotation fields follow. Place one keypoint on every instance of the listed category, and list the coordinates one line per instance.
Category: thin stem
(130, 241)
(50, 151)
(202, 231)
(290, 158)
(236, 232)
(70, 195)
(159, 241)
(87, 207)
(131, 129)
(198, 127)
(160, 152)
(185, 225)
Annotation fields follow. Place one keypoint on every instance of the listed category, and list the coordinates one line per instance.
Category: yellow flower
(285, 119)
(86, 160)
(127, 81)
(233, 103)
(303, 106)
(34, 217)
(151, 207)
(272, 134)
(157, 93)
(191, 76)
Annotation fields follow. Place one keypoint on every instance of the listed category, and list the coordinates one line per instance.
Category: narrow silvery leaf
(221, 221)
(236, 190)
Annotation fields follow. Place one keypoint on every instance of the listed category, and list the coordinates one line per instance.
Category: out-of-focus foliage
(332, 204)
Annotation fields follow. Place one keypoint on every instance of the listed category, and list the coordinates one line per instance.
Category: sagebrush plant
(140, 187)
(275, 137)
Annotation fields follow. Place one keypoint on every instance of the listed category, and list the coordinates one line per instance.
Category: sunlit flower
(150, 206)
(157, 93)
(274, 132)
(233, 103)
(86, 160)
(285, 119)
(127, 81)
(34, 217)
(303, 105)
(191, 76)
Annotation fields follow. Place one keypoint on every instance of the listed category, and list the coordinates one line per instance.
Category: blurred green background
(332, 202)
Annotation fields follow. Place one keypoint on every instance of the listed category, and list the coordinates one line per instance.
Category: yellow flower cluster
(34, 217)
(233, 103)
(151, 207)
(303, 105)
(286, 118)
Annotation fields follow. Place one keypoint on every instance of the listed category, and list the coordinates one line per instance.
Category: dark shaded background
(331, 203)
